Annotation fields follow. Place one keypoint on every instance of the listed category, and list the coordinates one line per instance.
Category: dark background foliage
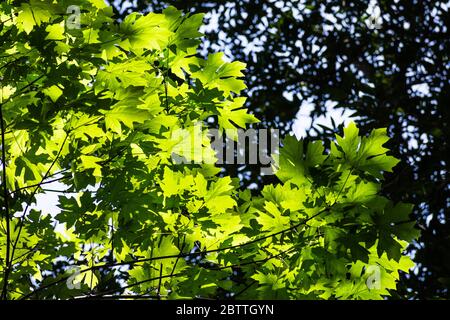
(322, 51)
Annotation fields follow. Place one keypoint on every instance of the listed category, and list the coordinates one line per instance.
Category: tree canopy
(99, 107)
(393, 74)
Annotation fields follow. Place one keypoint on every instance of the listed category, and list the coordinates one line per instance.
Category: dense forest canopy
(93, 95)
(393, 73)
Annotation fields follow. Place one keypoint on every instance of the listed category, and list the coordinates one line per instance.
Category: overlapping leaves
(96, 109)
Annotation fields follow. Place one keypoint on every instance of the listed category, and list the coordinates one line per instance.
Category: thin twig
(245, 289)
(131, 285)
(181, 274)
(39, 184)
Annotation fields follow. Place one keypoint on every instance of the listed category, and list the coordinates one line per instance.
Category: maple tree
(95, 108)
(314, 59)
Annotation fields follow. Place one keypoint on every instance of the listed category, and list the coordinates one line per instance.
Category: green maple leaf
(272, 219)
(232, 115)
(186, 29)
(222, 75)
(99, 4)
(122, 75)
(55, 32)
(92, 162)
(217, 196)
(53, 92)
(289, 197)
(118, 94)
(393, 223)
(175, 183)
(184, 63)
(151, 31)
(294, 163)
(33, 13)
(366, 153)
(126, 115)
(6, 92)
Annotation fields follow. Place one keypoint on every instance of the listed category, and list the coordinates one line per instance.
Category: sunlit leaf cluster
(95, 109)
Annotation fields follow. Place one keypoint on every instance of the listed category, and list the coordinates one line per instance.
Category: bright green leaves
(112, 112)
(150, 32)
(126, 115)
(159, 31)
(232, 115)
(358, 231)
(183, 63)
(225, 76)
(162, 246)
(216, 196)
(53, 92)
(294, 163)
(33, 13)
(99, 4)
(289, 198)
(272, 219)
(394, 223)
(91, 162)
(55, 32)
(122, 75)
(364, 153)
(314, 154)
(367, 154)
(350, 143)
(373, 280)
(186, 29)
(291, 164)
(84, 127)
(117, 78)
(358, 191)
(33, 249)
(109, 90)
(83, 276)
(6, 92)
(186, 145)
(270, 286)
(174, 183)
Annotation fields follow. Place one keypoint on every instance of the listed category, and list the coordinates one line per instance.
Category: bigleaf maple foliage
(95, 109)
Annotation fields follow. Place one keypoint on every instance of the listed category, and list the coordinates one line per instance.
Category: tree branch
(181, 255)
(22, 218)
